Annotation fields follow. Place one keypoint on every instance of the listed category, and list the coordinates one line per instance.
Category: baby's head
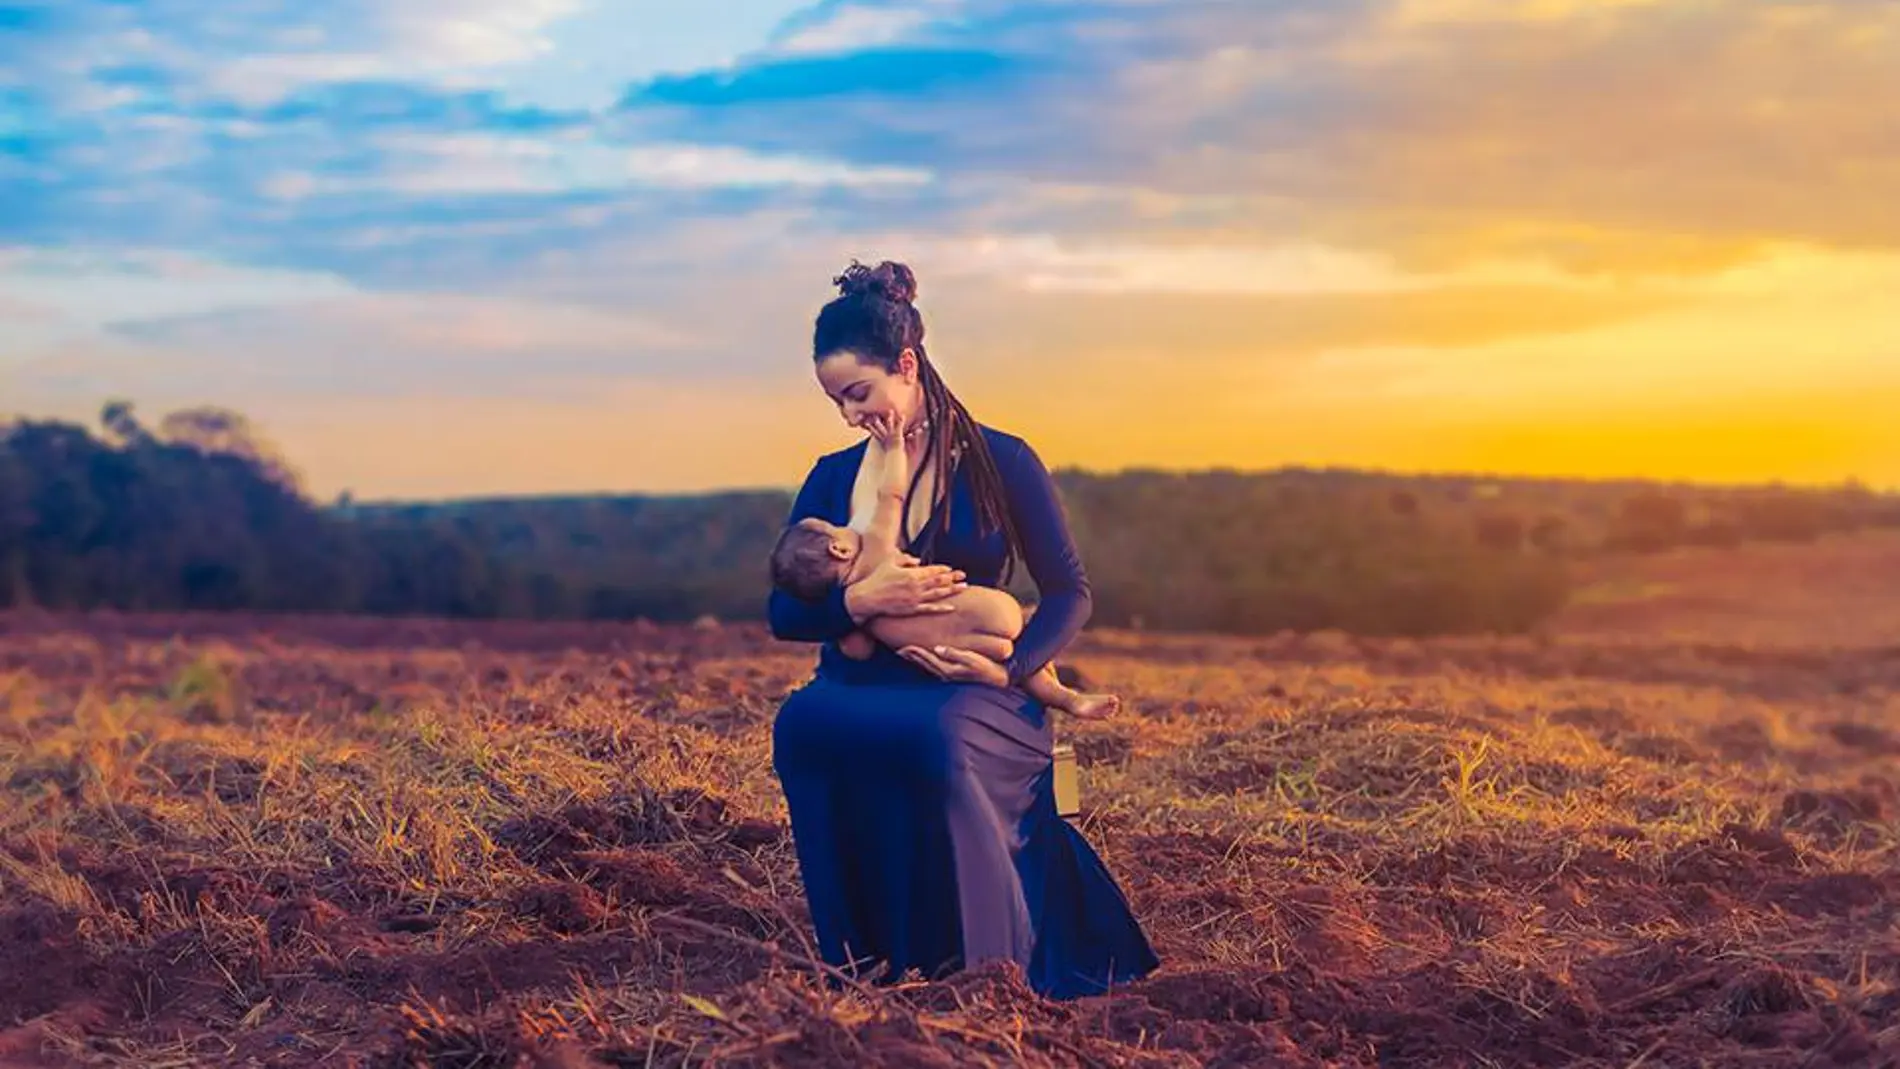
(813, 556)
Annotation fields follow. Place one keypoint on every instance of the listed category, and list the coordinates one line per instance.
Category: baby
(813, 556)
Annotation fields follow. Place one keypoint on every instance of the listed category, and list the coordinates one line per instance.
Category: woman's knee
(799, 734)
(863, 736)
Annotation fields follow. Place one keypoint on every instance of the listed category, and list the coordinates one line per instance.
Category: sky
(442, 248)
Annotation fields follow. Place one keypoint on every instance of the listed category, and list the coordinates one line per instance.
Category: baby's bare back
(985, 620)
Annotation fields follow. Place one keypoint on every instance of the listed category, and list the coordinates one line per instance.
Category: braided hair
(874, 318)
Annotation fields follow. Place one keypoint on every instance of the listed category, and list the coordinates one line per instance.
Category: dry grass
(233, 842)
(1844, 589)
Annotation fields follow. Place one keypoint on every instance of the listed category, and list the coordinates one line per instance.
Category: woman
(921, 786)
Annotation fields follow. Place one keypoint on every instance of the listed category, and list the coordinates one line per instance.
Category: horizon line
(1846, 483)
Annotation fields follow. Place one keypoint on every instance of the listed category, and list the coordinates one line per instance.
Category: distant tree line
(200, 512)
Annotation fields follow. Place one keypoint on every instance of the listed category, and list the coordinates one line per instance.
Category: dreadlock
(874, 317)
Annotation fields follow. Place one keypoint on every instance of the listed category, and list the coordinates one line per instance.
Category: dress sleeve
(791, 618)
(1062, 586)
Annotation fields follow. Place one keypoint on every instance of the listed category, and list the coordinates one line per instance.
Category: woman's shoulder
(996, 437)
(1005, 448)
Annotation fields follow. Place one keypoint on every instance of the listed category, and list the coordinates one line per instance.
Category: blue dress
(923, 811)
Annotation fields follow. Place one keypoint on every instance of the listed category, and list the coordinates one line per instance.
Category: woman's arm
(1062, 585)
(795, 620)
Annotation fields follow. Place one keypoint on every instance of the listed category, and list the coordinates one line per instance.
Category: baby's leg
(1048, 689)
(985, 621)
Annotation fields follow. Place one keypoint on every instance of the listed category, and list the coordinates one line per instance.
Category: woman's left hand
(956, 665)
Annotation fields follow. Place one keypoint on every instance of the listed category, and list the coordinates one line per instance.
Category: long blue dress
(923, 811)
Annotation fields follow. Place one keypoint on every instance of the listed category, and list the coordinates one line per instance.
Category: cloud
(1433, 12)
(443, 166)
(703, 166)
(1411, 126)
(15, 311)
(1577, 116)
(845, 28)
(268, 56)
(1042, 263)
(557, 53)
(421, 353)
(417, 325)
(102, 286)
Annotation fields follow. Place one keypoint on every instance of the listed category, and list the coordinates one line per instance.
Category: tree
(16, 522)
(210, 429)
(121, 425)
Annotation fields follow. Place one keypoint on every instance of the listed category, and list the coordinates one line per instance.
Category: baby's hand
(885, 427)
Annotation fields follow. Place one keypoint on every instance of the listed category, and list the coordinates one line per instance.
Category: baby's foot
(1095, 706)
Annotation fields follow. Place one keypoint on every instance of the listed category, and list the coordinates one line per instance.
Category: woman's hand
(903, 586)
(957, 665)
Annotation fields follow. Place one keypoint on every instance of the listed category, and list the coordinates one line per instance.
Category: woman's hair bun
(891, 280)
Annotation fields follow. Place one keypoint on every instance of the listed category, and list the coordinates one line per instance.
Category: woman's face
(862, 389)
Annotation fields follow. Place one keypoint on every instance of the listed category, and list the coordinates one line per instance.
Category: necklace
(916, 429)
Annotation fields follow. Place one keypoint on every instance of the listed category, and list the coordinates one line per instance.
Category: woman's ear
(907, 366)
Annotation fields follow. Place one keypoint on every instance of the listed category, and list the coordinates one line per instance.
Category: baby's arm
(880, 537)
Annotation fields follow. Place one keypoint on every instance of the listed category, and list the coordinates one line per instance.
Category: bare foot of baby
(1095, 706)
